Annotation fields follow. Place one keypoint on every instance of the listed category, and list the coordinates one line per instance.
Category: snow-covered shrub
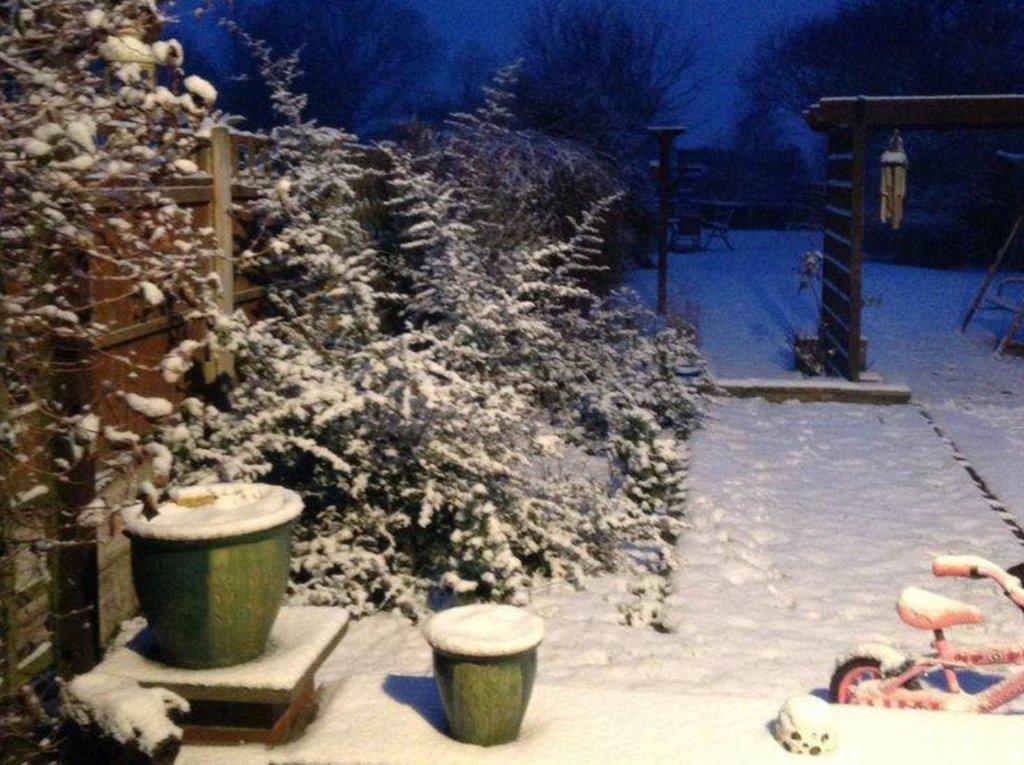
(520, 185)
(76, 121)
(114, 719)
(415, 363)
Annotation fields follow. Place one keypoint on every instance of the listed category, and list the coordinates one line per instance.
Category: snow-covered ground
(747, 308)
(806, 520)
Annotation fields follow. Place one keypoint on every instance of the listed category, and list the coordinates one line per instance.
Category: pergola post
(839, 325)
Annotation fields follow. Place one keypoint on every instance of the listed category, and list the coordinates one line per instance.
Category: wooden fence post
(75, 587)
(218, 161)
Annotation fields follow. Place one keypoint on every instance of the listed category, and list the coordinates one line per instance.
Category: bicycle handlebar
(975, 567)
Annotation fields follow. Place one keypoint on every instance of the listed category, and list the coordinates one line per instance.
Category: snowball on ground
(123, 710)
(215, 511)
(806, 725)
(484, 630)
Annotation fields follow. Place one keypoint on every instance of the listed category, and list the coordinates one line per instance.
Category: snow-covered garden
(383, 380)
(803, 523)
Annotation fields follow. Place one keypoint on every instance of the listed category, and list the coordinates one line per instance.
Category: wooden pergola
(848, 123)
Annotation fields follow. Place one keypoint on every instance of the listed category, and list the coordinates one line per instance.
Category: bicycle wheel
(860, 669)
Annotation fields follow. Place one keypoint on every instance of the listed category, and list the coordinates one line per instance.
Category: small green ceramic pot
(485, 661)
(211, 585)
(485, 699)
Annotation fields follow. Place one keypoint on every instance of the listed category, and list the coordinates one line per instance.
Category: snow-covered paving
(395, 720)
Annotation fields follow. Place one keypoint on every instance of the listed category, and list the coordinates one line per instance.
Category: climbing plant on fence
(116, 238)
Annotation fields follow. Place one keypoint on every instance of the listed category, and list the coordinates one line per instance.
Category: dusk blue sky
(728, 31)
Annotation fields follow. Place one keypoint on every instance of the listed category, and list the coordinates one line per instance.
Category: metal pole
(666, 137)
(665, 149)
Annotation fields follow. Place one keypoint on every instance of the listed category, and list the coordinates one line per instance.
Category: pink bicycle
(878, 675)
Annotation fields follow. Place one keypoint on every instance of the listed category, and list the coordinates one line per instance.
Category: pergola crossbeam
(925, 112)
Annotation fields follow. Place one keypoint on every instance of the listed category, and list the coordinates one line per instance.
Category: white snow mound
(484, 630)
(122, 709)
(216, 511)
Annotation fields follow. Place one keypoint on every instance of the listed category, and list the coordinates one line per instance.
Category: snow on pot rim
(484, 631)
(215, 511)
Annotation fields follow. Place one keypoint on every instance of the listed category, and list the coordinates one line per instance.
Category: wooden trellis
(848, 122)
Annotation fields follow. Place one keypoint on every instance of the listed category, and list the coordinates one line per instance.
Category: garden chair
(685, 231)
(717, 224)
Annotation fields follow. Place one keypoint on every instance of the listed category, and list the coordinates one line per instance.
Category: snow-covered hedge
(418, 369)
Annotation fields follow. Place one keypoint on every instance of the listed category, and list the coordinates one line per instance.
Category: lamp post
(666, 135)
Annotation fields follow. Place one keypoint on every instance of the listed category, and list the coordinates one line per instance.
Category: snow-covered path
(747, 308)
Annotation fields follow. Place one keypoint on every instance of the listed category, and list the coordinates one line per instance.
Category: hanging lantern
(894, 181)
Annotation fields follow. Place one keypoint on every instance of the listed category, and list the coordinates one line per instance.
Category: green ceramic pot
(211, 600)
(485, 661)
(485, 699)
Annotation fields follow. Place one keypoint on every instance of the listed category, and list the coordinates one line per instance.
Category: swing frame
(847, 123)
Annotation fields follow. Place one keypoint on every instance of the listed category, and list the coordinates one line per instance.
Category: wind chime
(894, 181)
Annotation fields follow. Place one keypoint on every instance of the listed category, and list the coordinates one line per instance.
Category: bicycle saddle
(930, 611)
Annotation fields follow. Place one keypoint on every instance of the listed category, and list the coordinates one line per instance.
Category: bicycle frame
(892, 691)
(949, 658)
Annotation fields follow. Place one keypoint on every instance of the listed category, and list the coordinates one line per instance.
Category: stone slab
(301, 639)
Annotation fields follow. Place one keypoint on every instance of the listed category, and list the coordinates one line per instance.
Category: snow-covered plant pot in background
(485, 662)
(806, 725)
(210, 570)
